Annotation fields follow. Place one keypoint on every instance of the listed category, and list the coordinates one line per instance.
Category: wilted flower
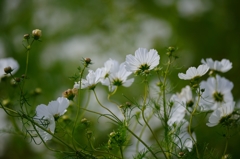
(194, 73)
(143, 61)
(220, 66)
(46, 116)
(221, 114)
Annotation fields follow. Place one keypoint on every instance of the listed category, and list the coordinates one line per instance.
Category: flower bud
(17, 79)
(8, 70)
(87, 61)
(85, 122)
(128, 104)
(36, 34)
(26, 36)
(69, 94)
(89, 134)
(6, 102)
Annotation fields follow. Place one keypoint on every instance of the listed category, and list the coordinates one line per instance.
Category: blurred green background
(100, 29)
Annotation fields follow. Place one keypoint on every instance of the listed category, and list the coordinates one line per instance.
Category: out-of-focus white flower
(186, 96)
(177, 112)
(221, 112)
(92, 79)
(46, 116)
(8, 62)
(118, 77)
(183, 139)
(143, 60)
(217, 91)
(221, 66)
(110, 66)
(193, 72)
(181, 103)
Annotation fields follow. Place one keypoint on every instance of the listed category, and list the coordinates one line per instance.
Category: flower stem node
(36, 34)
(89, 134)
(8, 70)
(28, 47)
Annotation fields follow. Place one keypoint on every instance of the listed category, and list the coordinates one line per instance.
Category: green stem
(143, 129)
(78, 107)
(106, 107)
(190, 122)
(149, 149)
(121, 151)
(143, 116)
(163, 90)
(226, 145)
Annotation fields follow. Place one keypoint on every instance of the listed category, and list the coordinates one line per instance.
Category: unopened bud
(87, 61)
(69, 94)
(85, 122)
(36, 34)
(26, 36)
(89, 134)
(17, 79)
(8, 70)
(128, 104)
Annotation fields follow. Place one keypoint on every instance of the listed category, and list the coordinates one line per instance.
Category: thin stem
(105, 107)
(143, 116)
(226, 145)
(163, 91)
(121, 151)
(78, 107)
(49, 132)
(143, 129)
(105, 115)
(190, 122)
(91, 145)
(149, 149)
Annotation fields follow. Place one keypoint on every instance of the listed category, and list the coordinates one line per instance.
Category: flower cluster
(170, 114)
(216, 93)
(114, 74)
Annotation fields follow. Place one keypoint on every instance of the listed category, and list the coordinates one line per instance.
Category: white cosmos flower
(221, 112)
(186, 96)
(118, 77)
(46, 116)
(92, 79)
(177, 112)
(222, 66)
(6, 62)
(142, 61)
(109, 65)
(183, 139)
(217, 91)
(181, 102)
(194, 72)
